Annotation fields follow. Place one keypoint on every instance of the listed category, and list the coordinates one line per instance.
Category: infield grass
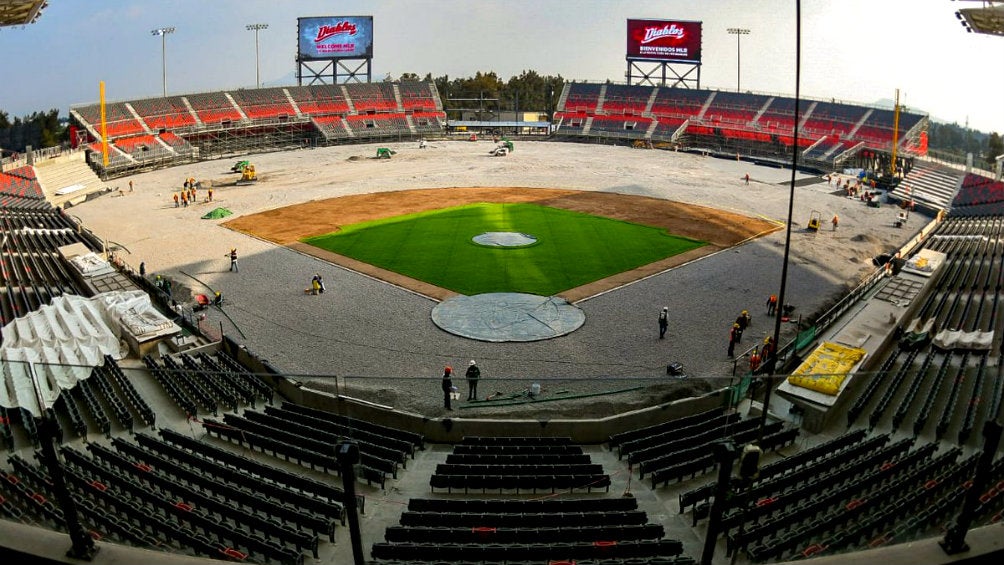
(436, 247)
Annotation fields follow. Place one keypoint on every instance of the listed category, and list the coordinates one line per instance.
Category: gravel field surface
(377, 341)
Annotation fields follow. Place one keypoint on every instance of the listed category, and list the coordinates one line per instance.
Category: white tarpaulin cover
(91, 264)
(68, 337)
(958, 339)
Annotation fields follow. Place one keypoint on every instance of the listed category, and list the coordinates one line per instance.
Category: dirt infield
(288, 225)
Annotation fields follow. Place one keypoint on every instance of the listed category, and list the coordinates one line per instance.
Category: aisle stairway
(68, 171)
(929, 184)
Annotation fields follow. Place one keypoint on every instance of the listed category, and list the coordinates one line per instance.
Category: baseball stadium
(348, 321)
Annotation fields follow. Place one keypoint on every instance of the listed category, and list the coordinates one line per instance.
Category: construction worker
(447, 385)
(734, 334)
(754, 360)
(768, 348)
(663, 321)
(176, 200)
(771, 304)
(835, 221)
(233, 260)
(744, 319)
(210, 194)
(473, 374)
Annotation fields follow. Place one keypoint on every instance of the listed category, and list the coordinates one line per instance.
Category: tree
(38, 129)
(995, 147)
(409, 77)
(534, 92)
(955, 140)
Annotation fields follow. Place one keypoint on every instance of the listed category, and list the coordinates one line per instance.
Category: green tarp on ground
(217, 213)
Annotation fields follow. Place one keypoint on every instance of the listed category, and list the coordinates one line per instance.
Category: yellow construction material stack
(827, 367)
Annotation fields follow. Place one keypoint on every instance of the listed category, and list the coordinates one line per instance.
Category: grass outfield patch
(436, 247)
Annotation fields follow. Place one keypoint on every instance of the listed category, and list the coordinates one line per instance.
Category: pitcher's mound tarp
(217, 213)
(508, 316)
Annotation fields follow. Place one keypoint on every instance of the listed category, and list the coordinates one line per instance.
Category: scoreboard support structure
(663, 73)
(333, 71)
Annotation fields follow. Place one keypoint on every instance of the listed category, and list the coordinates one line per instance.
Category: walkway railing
(787, 351)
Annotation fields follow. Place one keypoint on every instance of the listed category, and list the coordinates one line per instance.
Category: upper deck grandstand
(215, 123)
(751, 124)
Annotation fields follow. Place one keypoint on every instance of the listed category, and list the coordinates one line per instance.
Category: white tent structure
(60, 343)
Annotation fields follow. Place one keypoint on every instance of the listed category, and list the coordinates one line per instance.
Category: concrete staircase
(707, 104)
(348, 99)
(296, 107)
(236, 106)
(435, 96)
(807, 114)
(191, 109)
(651, 129)
(861, 122)
(65, 171)
(929, 184)
(563, 99)
(135, 114)
(763, 109)
(651, 101)
(602, 99)
(399, 102)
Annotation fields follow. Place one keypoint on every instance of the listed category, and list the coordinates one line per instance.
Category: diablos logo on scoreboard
(334, 37)
(664, 40)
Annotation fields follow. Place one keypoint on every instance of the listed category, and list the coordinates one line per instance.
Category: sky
(852, 50)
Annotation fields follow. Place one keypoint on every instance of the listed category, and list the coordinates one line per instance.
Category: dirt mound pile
(866, 238)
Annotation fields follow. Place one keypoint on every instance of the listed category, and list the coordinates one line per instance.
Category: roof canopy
(20, 12)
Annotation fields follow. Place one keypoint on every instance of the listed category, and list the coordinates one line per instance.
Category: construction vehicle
(239, 166)
(248, 176)
(384, 153)
(815, 217)
(502, 149)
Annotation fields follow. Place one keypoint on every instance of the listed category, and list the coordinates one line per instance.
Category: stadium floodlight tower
(163, 32)
(738, 32)
(257, 54)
